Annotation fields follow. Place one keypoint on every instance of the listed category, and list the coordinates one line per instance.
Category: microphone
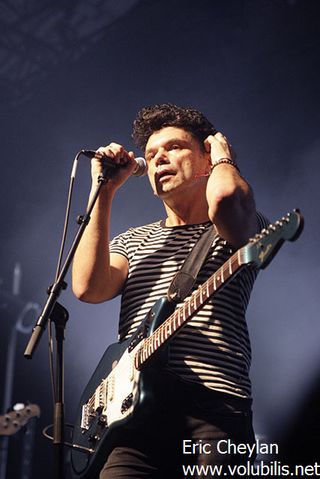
(141, 167)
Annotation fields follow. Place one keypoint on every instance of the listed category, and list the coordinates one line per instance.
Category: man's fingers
(218, 146)
(114, 151)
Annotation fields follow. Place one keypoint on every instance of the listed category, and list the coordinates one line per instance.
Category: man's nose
(161, 157)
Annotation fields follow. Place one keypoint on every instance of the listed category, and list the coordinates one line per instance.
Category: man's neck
(184, 213)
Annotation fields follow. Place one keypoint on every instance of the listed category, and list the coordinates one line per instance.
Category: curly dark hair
(153, 118)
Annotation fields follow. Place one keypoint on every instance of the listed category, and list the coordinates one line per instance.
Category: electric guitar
(13, 421)
(120, 390)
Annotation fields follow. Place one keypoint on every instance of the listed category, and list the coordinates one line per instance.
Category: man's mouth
(164, 174)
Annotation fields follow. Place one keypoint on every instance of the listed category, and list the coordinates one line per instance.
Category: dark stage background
(72, 76)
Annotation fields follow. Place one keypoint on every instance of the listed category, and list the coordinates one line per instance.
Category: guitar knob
(94, 438)
(102, 421)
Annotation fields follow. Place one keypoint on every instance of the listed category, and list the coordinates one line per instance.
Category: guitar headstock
(13, 421)
(264, 246)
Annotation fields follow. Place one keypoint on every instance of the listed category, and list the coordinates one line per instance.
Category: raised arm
(98, 275)
(229, 196)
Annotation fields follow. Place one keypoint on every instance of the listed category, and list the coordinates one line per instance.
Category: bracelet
(227, 161)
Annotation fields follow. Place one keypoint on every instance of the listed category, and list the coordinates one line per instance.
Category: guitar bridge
(85, 417)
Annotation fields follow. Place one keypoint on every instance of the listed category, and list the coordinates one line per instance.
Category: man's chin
(162, 190)
(166, 191)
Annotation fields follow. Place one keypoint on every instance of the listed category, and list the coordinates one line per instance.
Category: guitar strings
(164, 331)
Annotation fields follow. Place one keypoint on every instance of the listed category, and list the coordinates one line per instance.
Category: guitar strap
(185, 278)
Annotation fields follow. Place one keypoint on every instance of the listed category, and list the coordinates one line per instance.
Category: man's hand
(218, 147)
(120, 157)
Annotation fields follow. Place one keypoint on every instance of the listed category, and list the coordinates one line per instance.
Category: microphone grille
(141, 168)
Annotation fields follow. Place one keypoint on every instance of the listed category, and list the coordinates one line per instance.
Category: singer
(203, 391)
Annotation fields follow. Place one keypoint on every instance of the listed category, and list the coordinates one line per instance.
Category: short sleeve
(119, 245)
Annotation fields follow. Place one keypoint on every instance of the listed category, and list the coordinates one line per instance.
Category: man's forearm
(231, 205)
(96, 276)
(91, 266)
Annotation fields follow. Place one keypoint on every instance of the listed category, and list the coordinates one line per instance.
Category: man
(204, 390)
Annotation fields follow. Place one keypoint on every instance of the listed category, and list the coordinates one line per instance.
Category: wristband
(227, 161)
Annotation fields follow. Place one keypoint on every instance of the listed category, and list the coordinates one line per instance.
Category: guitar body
(118, 394)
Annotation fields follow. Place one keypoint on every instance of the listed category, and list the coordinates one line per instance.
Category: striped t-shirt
(213, 348)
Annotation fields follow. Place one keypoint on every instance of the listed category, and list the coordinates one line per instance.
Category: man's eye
(175, 147)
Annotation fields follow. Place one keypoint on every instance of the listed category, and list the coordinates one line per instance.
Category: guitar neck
(182, 314)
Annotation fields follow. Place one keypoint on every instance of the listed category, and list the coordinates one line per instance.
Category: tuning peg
(279, 224)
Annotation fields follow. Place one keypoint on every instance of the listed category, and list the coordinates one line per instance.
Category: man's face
(176, 162)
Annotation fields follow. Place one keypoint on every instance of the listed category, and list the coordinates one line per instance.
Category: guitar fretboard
(181, 315)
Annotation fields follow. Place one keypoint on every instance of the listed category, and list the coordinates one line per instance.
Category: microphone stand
(59, 315)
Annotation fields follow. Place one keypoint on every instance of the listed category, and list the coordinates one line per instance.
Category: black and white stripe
(213, 348)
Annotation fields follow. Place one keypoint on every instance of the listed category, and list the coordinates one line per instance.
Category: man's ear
(208, 163)
(207, 147)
